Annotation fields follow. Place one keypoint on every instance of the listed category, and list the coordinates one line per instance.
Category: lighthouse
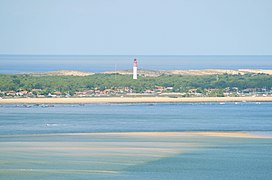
(135, 67)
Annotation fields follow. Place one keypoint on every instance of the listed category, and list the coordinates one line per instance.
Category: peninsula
(151, 86)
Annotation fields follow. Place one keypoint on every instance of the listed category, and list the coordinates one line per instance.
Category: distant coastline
(131, 100)
(154, 73)
(17, 63)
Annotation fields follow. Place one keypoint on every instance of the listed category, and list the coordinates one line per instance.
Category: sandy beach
(131, 100)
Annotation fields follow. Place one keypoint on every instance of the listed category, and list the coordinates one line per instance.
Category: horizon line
(230, 55)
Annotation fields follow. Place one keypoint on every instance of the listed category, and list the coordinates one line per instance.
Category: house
(22, 93)
(58, 93)
(11, 93)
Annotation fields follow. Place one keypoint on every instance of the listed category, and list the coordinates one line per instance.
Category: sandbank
(230, 134)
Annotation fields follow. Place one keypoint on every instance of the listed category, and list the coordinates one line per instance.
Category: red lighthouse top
(135, 63)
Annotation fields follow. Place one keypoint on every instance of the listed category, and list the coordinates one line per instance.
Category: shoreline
(97, 100)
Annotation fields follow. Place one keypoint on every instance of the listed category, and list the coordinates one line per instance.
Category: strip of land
(131, 100)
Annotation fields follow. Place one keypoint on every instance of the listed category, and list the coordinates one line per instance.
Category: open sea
(91, 141)
(10, 64)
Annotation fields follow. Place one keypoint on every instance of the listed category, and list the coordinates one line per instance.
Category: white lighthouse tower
(135, 67)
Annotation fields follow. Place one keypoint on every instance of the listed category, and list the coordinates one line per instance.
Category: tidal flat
(134, 155)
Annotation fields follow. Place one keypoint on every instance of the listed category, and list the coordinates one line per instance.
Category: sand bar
(131, 100)
(149, 134)
(129, 155)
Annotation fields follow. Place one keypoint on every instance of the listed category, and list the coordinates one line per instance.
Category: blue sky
(127, 27)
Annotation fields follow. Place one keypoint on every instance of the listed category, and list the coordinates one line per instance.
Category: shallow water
(62, 142)
(121, 156)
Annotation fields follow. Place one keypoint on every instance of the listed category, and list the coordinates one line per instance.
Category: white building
(135, 67)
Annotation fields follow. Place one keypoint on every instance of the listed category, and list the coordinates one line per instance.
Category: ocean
(10, 64)
(135, 141)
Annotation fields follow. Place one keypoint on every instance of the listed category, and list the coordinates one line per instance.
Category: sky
(136, 27)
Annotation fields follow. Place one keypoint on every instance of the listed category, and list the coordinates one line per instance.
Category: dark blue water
(17, 119)
(43, 63)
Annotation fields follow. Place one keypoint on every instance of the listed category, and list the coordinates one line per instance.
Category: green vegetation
(72, 84)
